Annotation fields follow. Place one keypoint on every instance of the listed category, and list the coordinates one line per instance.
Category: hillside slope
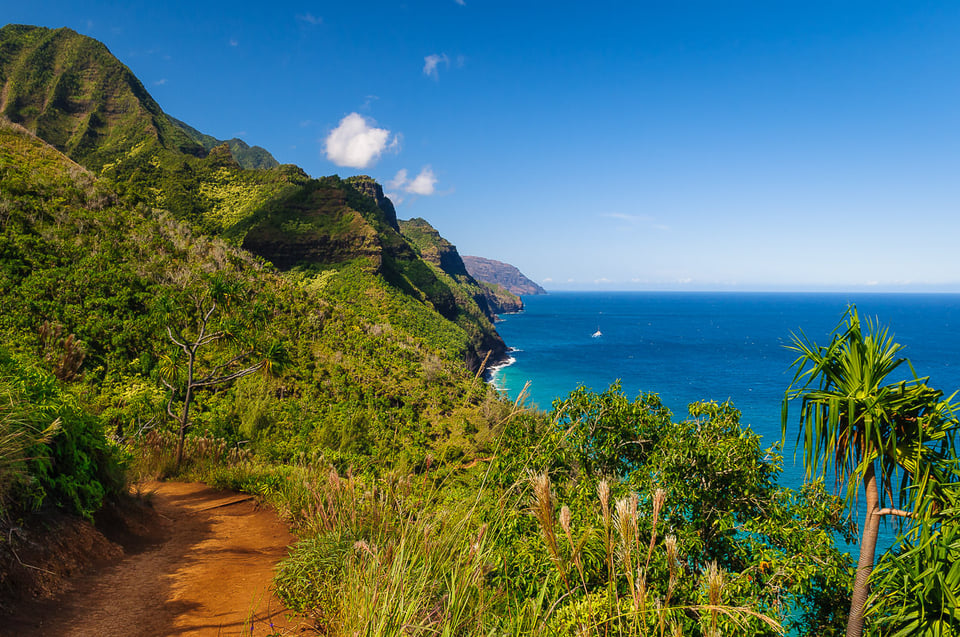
(247, 156)
(359, 367)
(436, 250)
(71, 92)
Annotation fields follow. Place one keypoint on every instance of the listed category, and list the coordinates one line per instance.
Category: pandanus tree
(875, 433)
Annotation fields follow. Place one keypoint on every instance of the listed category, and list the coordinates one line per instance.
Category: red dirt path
(201, 564)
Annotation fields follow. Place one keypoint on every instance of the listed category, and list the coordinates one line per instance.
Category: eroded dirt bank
(199, 563)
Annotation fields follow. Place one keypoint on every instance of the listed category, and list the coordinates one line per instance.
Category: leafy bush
(58, 454)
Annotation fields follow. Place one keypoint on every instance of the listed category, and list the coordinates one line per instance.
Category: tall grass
(203, 456)
(393, 557)
(385, 559)
(626, 605)
(19, 435)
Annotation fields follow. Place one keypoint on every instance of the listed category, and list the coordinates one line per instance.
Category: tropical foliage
(874, 432)
(425, 502)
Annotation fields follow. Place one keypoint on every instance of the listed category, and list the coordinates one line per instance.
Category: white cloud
(462, 3)
(637, 220)
(425, 183)
(309, 18)
(356, 143)
(625, 217)
(398, 180)
(548, 280)
(431, 62)
(160, 82)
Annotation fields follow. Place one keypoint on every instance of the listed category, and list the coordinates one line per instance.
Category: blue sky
(735, 145)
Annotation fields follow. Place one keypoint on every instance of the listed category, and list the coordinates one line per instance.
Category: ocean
(710, 346)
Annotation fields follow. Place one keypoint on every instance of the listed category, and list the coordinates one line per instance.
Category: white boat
(597, 334)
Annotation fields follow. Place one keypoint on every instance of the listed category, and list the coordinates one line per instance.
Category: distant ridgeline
(118, 220)
(501, 274)
(247, 156)
(492, 298)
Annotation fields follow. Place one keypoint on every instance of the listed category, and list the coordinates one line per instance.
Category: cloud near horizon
(357, 143)
(636, 220)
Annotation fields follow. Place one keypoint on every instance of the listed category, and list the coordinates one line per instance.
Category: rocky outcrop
(367, 186)
(503, 274)
(327, 221)
(435, 249)
(501, 300)
(316, 226)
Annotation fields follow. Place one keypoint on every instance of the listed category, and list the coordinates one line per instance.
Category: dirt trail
(202, 565)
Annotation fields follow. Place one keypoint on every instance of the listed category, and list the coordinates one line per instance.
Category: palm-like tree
(871, 431)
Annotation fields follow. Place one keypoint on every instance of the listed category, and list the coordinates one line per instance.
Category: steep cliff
(502, 274)
(367, 186)
(500, 299)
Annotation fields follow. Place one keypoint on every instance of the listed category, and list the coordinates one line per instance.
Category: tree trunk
(868, 549)
(187, 398)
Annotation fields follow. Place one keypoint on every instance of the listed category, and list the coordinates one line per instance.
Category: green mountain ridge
(118, 238)
(72, 93)
(75, 95)
(245, 155)
(114, 277)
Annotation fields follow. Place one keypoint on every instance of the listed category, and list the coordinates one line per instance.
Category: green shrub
(70, 466)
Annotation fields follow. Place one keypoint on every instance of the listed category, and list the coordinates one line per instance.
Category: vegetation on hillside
(425, 503)
(245, 155)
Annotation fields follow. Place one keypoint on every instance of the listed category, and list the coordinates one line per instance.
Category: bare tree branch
(897, 512)
(226, 379)
(216, 375)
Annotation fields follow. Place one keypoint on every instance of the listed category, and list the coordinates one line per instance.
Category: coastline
(491, 373)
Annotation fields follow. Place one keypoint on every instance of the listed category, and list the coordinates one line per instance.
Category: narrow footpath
(202, 565)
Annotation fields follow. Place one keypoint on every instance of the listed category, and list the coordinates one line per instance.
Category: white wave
(493, 373)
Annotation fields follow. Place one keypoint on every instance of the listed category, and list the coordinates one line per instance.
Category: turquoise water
(709, 346)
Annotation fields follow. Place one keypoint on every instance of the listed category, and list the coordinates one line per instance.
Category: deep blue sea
(709, 346)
